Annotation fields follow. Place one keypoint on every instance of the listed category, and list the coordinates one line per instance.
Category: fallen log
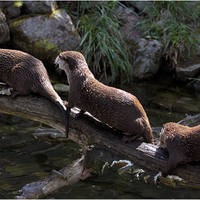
(89, 132)
(71, 174)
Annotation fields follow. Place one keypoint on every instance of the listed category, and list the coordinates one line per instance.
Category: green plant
(18, 3)
(173, 23)
(102, 43)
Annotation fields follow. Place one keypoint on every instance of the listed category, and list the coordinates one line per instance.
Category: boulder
(198, 45)
(146, 58)
(196, 85)
(129, 21)
(13, 10)
(145, 54)
(4, 31)
(39, 7)
(44, 36)
(184, 73)
(4, 4)
(142, 6)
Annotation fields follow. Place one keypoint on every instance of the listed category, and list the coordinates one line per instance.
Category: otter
(182, 144)
(112, 106)
(25, 74)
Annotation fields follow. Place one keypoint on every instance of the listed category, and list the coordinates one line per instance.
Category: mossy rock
(44, 36)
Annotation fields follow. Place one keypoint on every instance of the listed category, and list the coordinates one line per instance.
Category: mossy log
(87, 131)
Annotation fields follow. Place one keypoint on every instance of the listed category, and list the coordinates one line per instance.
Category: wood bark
(69, 175)
(87, 131)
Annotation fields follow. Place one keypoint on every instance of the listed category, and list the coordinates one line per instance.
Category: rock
(198, 45)
(145, 54)
(4, 4)
(184, 73)
(196, 85)
(61, 87)
(13, 10)
(192, 4)
(4, 31)
(39, 7)
(44, 36)
(142, 6)
(166, 15)
(130, 20)
(198, 49)
(146, 57)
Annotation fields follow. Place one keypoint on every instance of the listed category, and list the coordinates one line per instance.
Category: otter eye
(62, 57)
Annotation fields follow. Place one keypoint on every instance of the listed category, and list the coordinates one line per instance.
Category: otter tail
(48, 91)
(66, 114)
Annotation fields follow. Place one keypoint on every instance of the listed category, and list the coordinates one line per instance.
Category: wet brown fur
(112, 106)
(182, 143)
(27, 74)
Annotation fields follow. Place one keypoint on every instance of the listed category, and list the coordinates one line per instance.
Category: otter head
(70, 60)
(73, 62)
(168, 131)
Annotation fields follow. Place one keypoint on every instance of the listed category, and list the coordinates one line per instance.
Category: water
(22, 163)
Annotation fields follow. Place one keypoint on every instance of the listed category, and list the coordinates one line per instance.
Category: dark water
(24, 159)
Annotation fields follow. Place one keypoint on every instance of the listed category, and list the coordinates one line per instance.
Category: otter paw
(65, 103)
(81, 113)
(78, 115)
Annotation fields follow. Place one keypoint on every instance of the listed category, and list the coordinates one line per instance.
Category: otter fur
(27, 74)
(112, 106)
(182, 144)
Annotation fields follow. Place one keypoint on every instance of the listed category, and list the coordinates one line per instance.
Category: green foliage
(102, 43)
(172, 22)
(18, 3)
